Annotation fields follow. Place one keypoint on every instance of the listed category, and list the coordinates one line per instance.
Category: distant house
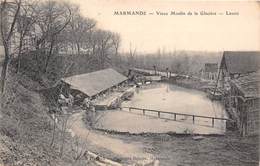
(210, 71)
(246, 98)
(94, 83)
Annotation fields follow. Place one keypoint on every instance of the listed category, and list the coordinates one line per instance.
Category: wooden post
(143, 111)
(129, 109)
(158, 114)
(212, 122)
(217, 82)
(193, 119)
(175, 116)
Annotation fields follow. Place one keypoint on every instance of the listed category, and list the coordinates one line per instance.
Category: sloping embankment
(26, 129)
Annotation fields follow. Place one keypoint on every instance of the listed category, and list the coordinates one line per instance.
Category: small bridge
(153, 72)
(159, 113)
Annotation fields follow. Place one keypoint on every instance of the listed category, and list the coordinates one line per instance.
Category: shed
(210, 71)
(240, 83)
(96, 82)
(211, 67)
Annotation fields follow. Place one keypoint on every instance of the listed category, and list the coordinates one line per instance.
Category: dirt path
(127, 150)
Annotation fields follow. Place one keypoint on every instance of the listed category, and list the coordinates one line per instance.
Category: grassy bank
(172, 149)
(27, 131)
(182, 149)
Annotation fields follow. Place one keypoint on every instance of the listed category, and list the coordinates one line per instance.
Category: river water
(169, 98)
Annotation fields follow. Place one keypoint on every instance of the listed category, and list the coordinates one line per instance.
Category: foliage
(49, 29)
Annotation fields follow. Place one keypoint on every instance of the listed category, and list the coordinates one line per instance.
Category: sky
(198, 33)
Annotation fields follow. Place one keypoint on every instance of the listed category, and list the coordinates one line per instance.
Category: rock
(197, 138)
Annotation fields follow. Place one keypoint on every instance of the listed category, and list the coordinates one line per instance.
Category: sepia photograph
(129, 83)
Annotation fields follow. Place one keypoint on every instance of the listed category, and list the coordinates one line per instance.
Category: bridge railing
(175, 114)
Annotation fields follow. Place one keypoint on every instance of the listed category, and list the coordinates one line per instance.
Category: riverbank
(183, 149)
(229, 149)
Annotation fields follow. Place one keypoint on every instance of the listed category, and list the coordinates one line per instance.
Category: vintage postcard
(129, 82)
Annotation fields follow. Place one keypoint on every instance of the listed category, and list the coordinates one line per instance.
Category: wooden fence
(176, 114)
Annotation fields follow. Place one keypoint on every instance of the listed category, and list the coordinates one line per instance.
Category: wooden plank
(101, 160)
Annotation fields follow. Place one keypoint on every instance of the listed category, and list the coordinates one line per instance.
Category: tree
(78, 31)
(25, 26)
(102, 44)
(132, 55)
(9, 14)
(53, 19)
(116, 41)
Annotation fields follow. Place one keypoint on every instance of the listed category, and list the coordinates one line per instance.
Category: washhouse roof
(93, 83)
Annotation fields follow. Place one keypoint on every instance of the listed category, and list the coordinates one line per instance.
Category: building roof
(93, 83)
(248, 85)
(240, 62)
(211, 67)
